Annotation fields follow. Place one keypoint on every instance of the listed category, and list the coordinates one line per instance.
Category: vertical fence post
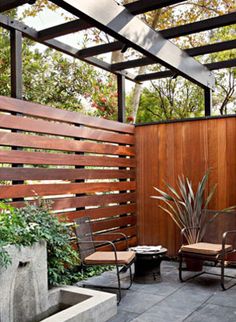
(121, 98)
(16, 80)
(121, 117)
(208, 101)
(79, 167)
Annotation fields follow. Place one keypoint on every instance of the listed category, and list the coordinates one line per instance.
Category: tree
(170, 99)
(48, 76)
(175, 15)
(224, 98)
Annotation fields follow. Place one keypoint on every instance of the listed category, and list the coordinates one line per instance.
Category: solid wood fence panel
(83, 165)
(164, 151)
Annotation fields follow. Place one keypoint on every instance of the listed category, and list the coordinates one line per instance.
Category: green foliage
(170, 99)
(185, 207)
(49, 77)
(103, 97)
(27, 225)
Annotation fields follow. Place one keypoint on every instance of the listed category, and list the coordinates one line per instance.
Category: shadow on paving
(169, 300)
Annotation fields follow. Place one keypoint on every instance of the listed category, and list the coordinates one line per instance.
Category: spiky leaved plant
(186, 207)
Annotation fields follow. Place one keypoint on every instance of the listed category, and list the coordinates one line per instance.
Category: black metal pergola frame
(122, 23)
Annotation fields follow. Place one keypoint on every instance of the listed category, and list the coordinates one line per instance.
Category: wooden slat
(106, 212)
(121, 245)
(22, 190)
(46, 127)
(63, 159)
(43, 142)
(62, 174)
(85, 201)
(114, 222)
(128, 231)
(34, 109)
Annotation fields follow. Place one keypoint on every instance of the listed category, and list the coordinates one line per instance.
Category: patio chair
(122, 260)
(218, 245)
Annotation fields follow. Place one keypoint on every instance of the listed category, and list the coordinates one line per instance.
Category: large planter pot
(24, 283)
(193, 264)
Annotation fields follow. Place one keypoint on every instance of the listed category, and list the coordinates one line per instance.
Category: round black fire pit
(148, 264)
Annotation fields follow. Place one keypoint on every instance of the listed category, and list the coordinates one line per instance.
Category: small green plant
(27, 225)
(186, 207)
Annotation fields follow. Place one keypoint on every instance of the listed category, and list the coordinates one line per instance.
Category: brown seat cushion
(205, 248)
(124, 258)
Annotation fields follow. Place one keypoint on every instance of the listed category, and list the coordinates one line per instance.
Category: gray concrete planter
(24, 294)
(23, 284)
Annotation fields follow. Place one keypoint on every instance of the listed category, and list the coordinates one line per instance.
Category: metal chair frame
(119, 268)
(219, 258)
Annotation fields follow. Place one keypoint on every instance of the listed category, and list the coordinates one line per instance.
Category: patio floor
(169, 300)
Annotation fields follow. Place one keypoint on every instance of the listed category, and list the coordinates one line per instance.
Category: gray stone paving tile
(213, 313)
(123, 316)
(224, 298)
(205, 283)
(187, 297)
(162, 288)
(138, 302)
(163, 313)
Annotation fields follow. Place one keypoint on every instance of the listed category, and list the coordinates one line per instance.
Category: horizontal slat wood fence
(164, 151)
(86, 166)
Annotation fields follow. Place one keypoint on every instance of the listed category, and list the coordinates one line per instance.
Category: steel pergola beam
(100, 49)
(196, 51)
(212, 48)
(11, 24)
(168, 73)
(63, 29)
(11, 4)
(142, 6)
(199, 26)
(184, 30)
(118, 22)
(222, 64)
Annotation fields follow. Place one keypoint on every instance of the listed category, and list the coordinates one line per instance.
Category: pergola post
(208, 101)
(16, 82)
(16, 63)
(121, 98)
